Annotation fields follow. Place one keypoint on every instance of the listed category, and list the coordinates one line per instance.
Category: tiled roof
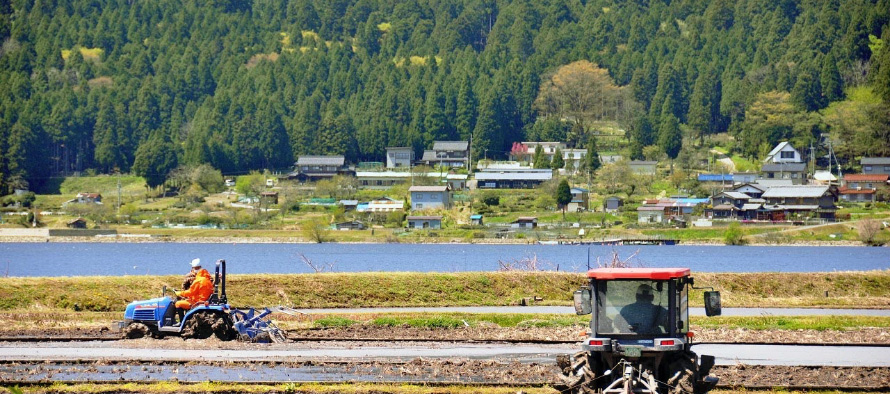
(424, 218)
(795, 191)
(875, 160)
(428, 188)
(779, 167)
(866, 177)
(741, 196)
(321, 161)
(450, 145)
(845, 190)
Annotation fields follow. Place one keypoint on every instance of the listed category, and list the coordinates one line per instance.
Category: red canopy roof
(638, 273)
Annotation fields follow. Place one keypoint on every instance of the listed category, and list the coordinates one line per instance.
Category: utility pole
(118, 194)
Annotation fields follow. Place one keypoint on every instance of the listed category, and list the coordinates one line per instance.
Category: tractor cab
(639, 324)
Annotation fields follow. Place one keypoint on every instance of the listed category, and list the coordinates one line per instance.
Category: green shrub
(733, 235)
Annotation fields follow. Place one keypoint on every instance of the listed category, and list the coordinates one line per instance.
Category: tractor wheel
(578, 372)
(199, 325)
(684, 382)
(136, 330)
(223, 328)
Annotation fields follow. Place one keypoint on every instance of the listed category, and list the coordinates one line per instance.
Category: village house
(753, 190)
(579, 200)
(676, 208)
(269, 198)
(476, 220)
(783, 153)
(314, 168)
(734, 205)
(422, 222)
(863, 187)
(348, 205)
(796, 172)
(524, 152)
(78, 223)
(612, 204)
(643, 167)
(430, 197)
(88, 198)
(447, 153)
(875, 165)
(399, 157)
(384, 204)
(382, 180)
(514, 178)
(798, 201)
(715, 180)
(744, 177)
(349, 225)
(525, 222)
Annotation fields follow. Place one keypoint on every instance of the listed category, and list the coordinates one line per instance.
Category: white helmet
(196, 263)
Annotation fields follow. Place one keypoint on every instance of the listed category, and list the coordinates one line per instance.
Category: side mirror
(712, 303)
(582, 301)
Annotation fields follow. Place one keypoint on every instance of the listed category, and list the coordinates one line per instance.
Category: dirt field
(494, 333)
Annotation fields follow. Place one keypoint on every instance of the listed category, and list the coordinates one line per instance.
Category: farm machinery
(157, 317)
(639, 339)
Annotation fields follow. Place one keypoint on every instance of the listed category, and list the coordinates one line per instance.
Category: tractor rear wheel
(203, 324)
(578, 371)
(683, 371)
(136, 330)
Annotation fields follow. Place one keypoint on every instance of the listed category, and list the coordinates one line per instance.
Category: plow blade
(258, 327)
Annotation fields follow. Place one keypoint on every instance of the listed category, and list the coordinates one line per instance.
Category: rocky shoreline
(146, 238)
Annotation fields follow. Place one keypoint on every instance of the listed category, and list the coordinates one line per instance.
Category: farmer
(199, 290)
(643, 317)
(190, 276)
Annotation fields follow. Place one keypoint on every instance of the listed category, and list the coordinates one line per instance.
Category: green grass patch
(334, 322)
(821, 323)
(744, 165)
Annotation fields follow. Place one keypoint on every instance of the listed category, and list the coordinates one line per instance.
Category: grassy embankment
(63, 303)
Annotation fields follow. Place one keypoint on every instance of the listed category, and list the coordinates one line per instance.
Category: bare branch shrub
(868, 230)
(317, 267)
(615, 261)
(528, 263)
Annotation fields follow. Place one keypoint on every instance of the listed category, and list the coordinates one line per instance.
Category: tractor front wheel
(136, 330)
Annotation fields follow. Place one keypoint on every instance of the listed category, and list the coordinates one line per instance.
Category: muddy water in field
(726, 354)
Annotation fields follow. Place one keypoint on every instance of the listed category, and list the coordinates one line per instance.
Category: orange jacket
(201, 288)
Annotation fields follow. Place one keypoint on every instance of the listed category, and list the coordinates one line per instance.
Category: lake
(84, 259)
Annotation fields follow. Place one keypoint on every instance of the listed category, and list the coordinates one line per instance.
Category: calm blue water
(83, 259)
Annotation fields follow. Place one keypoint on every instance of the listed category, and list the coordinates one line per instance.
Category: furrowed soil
(485, 334)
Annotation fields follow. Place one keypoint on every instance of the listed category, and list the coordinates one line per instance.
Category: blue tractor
(157, 317)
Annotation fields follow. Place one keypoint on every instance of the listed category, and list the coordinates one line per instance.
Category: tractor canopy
(638, 302)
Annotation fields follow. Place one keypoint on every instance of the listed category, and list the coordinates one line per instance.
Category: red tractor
(639, 339)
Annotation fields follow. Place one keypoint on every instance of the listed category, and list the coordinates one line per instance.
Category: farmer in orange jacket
(199, 291)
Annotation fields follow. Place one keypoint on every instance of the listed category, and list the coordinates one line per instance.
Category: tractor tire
(199, 325)
(223, 328)
(136, 331)
(577, 374)
(685, 364)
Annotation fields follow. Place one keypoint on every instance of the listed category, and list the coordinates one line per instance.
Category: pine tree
(539, 160)
(807, 92)
(592, 160)
(832, 88)
(563, 196)
(670, 138)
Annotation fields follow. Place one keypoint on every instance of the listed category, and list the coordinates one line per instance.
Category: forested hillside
(144, 85)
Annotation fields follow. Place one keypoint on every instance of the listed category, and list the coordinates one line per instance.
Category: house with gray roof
(799, 201)
(398, 157)
(796, 172)
(430, 197)
(645, 167)
(315, 168)
(447, 153)
(875, 165)
(525, 178)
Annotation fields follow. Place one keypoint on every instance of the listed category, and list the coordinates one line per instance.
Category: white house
(783, 153)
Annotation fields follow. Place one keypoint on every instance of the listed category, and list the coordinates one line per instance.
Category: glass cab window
(632, 307)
